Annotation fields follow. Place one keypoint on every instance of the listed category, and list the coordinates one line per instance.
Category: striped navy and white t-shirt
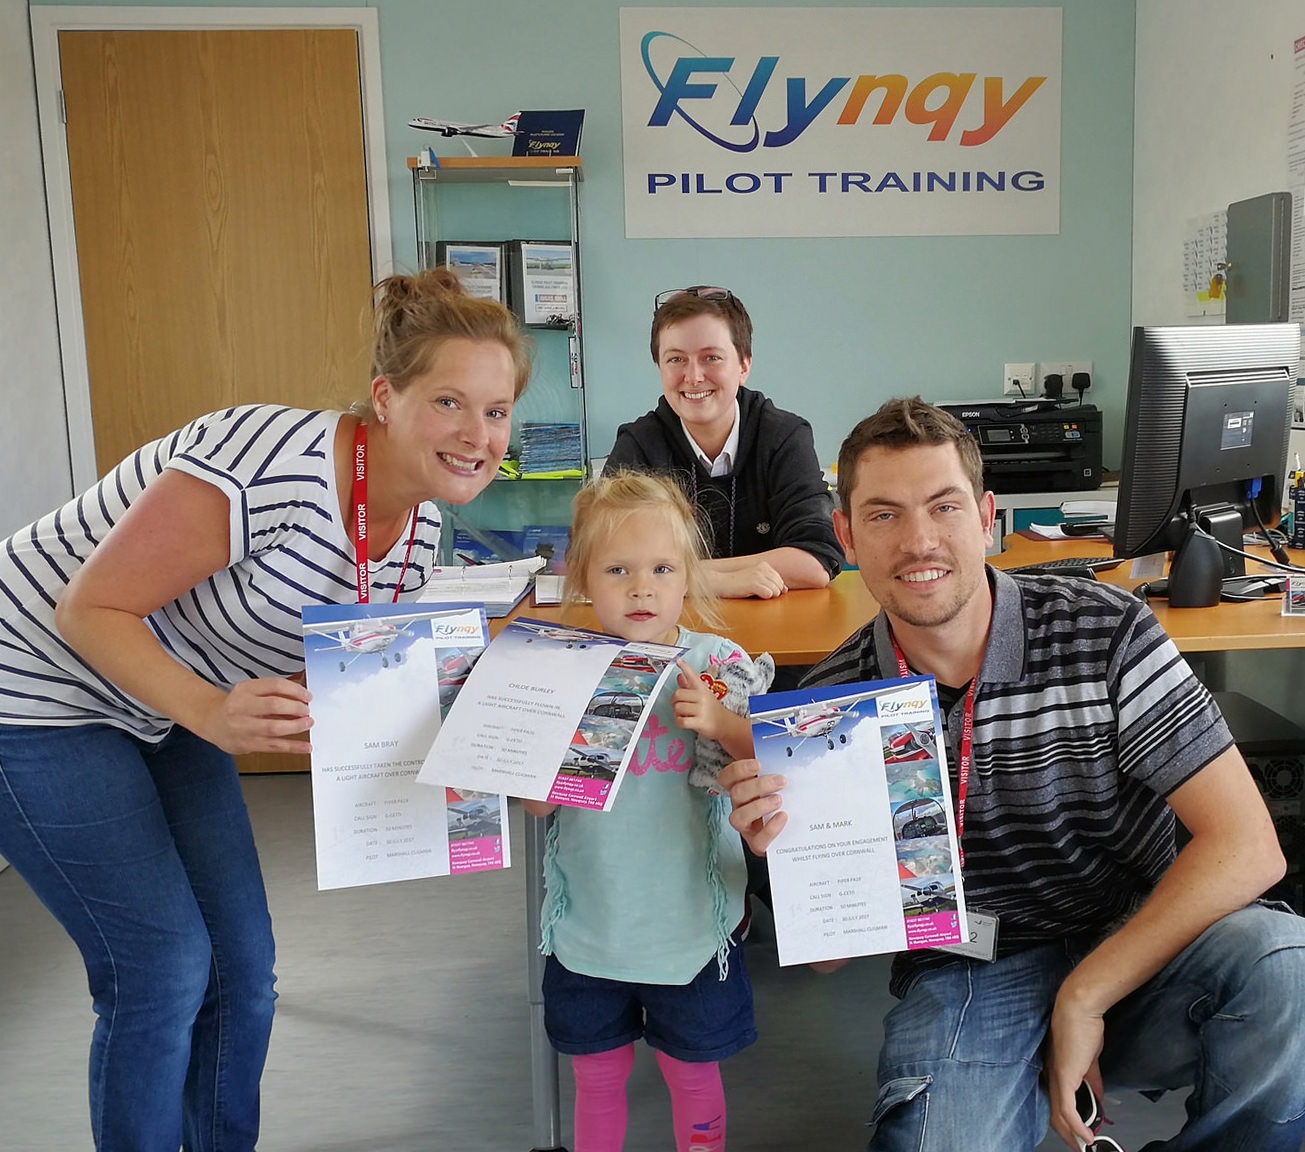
(289, 547)
(1085, 718)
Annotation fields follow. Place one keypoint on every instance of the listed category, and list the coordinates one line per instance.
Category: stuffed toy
(733, 681)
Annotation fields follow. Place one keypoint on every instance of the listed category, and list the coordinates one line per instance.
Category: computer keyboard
(1069, 566)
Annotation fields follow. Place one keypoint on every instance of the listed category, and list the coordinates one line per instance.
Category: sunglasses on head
(702, 292)
(1089, 1111)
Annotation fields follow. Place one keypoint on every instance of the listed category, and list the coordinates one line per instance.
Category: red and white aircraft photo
(805, 721)
(365, 637)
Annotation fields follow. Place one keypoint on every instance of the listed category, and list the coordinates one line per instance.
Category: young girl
(641, 900)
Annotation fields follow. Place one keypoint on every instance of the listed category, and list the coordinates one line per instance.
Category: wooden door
(220, 210)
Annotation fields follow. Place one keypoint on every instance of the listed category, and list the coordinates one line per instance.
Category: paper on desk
(867, 860)
(549, 588)
(1047, 531)
(1104, 508)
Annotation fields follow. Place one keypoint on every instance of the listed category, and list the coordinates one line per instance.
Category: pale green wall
(841, 323)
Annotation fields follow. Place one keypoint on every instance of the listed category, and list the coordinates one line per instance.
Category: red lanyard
(967, 744)
(360, 521)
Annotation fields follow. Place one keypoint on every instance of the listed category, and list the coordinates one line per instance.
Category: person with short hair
(749, 468)
(1116, 957)
(152, 629)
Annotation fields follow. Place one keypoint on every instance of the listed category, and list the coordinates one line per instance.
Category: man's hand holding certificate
(867, 861)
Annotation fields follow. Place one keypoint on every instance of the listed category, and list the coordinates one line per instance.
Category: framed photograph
(478, 265)
(542, 282)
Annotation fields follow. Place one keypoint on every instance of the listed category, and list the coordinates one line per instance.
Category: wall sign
(840, 121)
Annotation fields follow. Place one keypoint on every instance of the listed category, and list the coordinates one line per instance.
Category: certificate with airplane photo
(382, 677)
(551, 713)
(867, 862)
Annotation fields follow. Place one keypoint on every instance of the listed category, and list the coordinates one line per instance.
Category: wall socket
(1018, 380)
(1066, 368)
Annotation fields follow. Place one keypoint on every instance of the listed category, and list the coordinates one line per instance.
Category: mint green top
(649, 892)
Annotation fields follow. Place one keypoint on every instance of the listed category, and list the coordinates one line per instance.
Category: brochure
(550, 713)
(542, 282)
(382, 676)
(867, 860)
(554, 132)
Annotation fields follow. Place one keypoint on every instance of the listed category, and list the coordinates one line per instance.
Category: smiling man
(1115, 955)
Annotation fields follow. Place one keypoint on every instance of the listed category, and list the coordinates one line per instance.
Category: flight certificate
(551, 713)
(867, 860)
(382, 678)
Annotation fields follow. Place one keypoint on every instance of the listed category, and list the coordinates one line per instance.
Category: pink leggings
(697, 1101)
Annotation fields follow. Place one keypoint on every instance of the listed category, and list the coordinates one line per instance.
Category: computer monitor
(1205, 447)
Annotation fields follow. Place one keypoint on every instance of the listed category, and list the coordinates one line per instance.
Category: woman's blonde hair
(412, 316)
(599, 512)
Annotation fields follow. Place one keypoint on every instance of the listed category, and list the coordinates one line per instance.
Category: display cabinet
(467, 208)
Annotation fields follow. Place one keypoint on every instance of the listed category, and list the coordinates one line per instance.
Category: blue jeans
(962, 1050)
(145, 855)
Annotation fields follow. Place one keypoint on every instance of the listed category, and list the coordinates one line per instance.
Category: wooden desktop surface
(804, 627)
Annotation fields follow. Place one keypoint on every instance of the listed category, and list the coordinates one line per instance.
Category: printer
(1034, 445)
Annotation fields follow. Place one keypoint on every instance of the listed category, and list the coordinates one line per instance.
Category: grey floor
(401, 1023)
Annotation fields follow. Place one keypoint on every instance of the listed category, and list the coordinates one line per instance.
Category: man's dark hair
(904, 422)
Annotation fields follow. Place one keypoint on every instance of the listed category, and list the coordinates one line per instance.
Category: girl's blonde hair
(413, 316)
(599, 512)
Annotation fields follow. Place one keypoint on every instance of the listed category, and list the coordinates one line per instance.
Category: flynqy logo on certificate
(840, 121)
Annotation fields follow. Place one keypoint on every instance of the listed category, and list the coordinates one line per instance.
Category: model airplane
(365, 637)
(804, 721)
(455, 128)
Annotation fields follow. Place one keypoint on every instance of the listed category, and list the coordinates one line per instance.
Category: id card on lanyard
(362, 564)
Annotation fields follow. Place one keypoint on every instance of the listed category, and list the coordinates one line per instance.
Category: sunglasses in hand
(1089, 1111)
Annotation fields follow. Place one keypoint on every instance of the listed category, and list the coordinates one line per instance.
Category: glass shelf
(473, 199)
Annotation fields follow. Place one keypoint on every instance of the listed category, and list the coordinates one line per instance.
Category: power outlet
(1017, 380)
(1066, 369)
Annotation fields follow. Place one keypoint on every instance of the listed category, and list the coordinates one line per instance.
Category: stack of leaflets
(550, 450)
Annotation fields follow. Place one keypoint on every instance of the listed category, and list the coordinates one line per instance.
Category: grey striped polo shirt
(1085, 718)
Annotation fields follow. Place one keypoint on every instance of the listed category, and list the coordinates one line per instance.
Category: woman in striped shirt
(151, 630)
